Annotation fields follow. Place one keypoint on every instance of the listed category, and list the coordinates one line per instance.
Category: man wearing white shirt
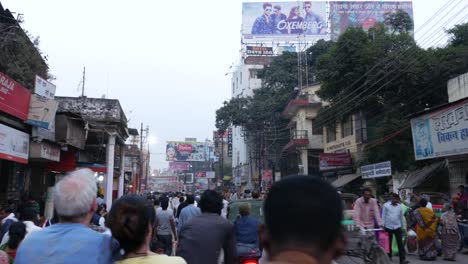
(28, 216)
(392, 218)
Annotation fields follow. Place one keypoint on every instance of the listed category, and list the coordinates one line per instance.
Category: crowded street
(233, 132)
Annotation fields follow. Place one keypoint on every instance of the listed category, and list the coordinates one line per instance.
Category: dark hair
(366, 189)
(307, 3)
(164, 203)
(17, 232)
(211, 202)
(255, 195)
(423, 202)
(291, 13)
(395, 195)
(157, 202)
(190, 199)
(129, 218)
(265, 5)
(29, 214)
(277, 7)
(181, 199)
(291, 213)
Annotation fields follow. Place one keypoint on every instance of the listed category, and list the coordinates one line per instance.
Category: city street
(412, 258)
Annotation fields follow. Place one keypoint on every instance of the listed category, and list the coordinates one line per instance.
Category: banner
(362, 14)
(185, 151)
(14, 144)
(14, 98)
(179, 166)
(442, 132)
(41, 111)
(210, 174)
(376, 170)
(332, 161)
(259, 51)
(279, 20)
(44, 88)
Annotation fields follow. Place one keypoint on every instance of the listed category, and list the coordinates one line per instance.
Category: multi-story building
(244, 81)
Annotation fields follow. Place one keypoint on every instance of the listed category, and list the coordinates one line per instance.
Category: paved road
(461, 258)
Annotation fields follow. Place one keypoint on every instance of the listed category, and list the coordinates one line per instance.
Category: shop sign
(332, 161)
(14, 98)
(338, 146)
(210, 174)
(179, 166)
(44, 150)
(14, 144)
(44, 88)
(376, 170)
(41, 111)
(259, 51)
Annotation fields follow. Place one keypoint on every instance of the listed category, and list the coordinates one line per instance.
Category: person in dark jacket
(277, 17)
(263, 25)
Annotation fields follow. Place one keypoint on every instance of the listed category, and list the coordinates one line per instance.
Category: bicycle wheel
(378, 256)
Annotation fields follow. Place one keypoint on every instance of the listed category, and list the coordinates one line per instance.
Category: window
(253, 73)
(347, 126)
(331, 133)
(316, 130)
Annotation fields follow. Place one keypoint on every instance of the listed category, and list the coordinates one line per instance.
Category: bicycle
(362, 244)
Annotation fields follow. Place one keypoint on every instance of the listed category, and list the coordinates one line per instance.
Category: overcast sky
(164, 60)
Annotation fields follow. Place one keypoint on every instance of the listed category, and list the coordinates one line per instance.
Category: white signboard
(210, 174)
(44, 88)
(41, 111)
(376, 170)
(442, 132)
(14, 144)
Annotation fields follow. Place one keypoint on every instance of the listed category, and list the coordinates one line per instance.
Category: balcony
(299, 139)
(293, 106)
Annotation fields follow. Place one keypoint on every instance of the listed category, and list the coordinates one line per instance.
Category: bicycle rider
(366, 211)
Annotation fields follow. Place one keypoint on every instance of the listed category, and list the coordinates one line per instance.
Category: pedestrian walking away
(450, 234)
(70, 241)
(165, 227)
(131, 220)
(393, 221)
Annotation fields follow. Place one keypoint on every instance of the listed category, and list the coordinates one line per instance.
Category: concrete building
(244, 81)
(306, 141)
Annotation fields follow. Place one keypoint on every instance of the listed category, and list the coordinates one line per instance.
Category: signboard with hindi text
(442, 132)
(14, 98)
(376, 170)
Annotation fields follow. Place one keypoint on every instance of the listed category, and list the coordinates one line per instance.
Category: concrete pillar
(305, 161)
(122, 171)
(109, 182)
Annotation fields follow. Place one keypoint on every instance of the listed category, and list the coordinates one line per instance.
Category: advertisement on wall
(185, 151)
(333, 161)
(283, 20)
(14, 144)
(44, 150)
(376, 170)
(41, 111)
(362, 14)
(441, 133)
(179, 166)
(14, 98)
(259, 51)
(44, 88)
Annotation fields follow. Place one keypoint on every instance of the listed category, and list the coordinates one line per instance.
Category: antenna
(83, 83)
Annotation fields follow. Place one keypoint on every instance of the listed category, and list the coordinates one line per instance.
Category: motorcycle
(248, 253)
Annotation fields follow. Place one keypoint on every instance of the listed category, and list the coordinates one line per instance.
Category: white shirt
(30, 227)
(429, 205)
(225, 207)
(392, 216)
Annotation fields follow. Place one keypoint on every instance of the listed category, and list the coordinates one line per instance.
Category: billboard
(259, 51)
(179, 166)
(41, 111)
(441, 133)
(185, 151)
(332, 161)
(14, 144)
(362, 14)
(283, 20)
(14, 98)
(377, 170)
(44, 88)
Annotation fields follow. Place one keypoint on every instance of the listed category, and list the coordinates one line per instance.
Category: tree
(399, 22)
(459, 35)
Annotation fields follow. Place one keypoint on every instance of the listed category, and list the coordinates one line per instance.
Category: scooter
(248, 253)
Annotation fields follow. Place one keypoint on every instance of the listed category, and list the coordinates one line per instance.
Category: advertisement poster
(259, 51)
(441, 133)
(179, 166)
(280, 20)
(14, 144)
(376, 170)
(14, 98)
(362, 14)
(332, 161)
(44, 88)
(185, 151)
(41, 111)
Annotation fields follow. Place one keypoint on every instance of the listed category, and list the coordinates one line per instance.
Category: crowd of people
(176, 228)
(398, 219)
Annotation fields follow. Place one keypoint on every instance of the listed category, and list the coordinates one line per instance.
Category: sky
(166, 61)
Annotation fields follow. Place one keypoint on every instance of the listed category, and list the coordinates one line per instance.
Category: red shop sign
(14, 98)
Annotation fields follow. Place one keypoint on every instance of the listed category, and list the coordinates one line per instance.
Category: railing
(299, 134)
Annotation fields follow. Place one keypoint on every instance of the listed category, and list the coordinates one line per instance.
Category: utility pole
(142, 157)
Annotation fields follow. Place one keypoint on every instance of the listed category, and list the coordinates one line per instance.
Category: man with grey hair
(71, 240)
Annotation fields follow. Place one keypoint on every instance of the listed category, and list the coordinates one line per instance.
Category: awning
(416, 178)
(345, 179)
